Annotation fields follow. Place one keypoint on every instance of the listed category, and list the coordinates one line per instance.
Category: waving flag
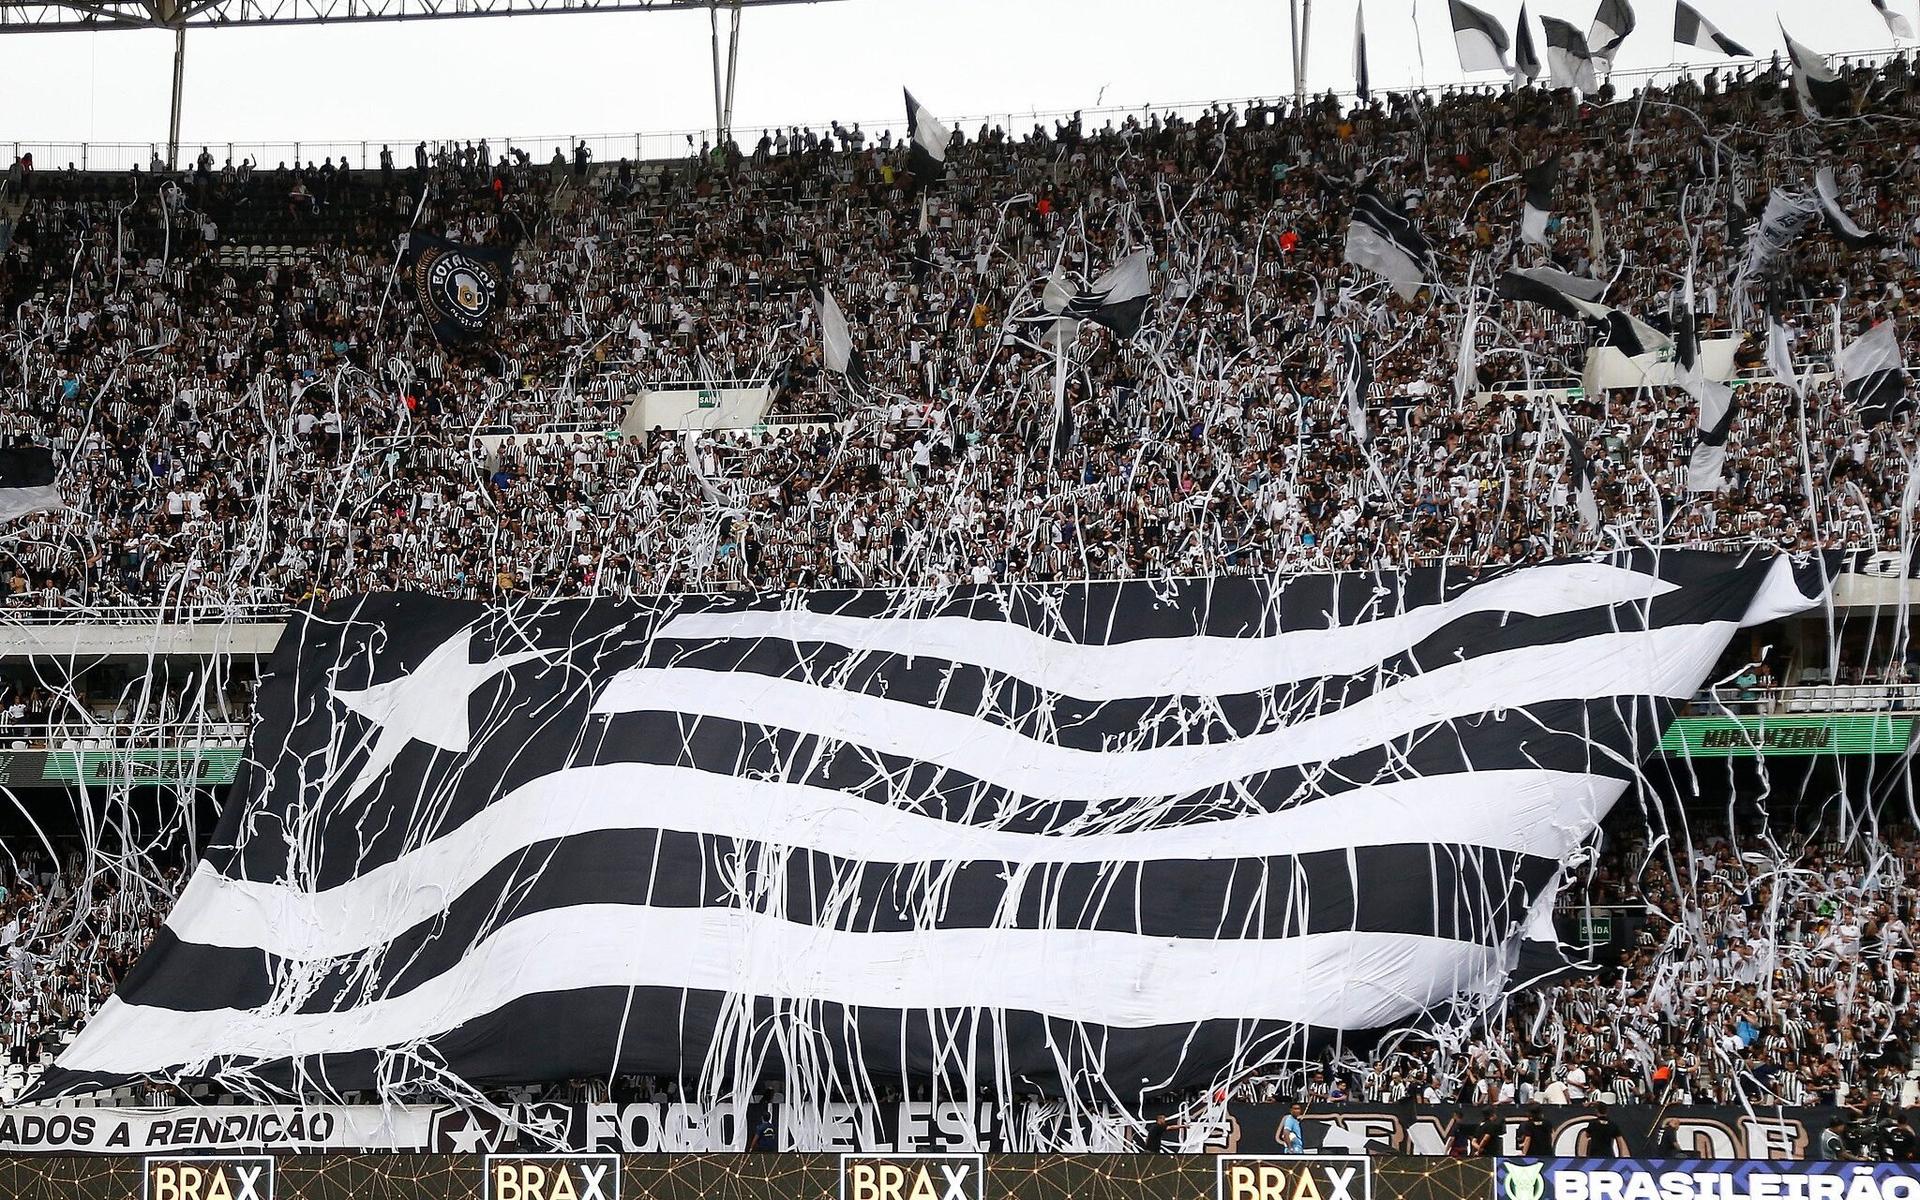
(458, 287)
(1611, 26)
(1569, 59)
(27, 475)
(1897, 23)
(837, 351)
(1480, 40)
(1118, 299)
(1526, 59)
(1574, 296)
(1873, 375)
(1819, 89)
(1537, 207)
(927, 141)
(1384, 240)
(1692, 29)
(973, 834)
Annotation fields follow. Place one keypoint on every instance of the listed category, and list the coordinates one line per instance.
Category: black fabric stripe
(1139, 722)
(27, 467)
(1461, 893)
(667, 1031)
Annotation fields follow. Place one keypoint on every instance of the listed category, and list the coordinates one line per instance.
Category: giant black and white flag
(1693, 30)
(1537, 207)
(1611, 25)
(1873, 375)
(927, 141)
(1481, 40)
(27, 475)
(1821, 92)
(1569, 61)
(1384, 240)
(975, 835)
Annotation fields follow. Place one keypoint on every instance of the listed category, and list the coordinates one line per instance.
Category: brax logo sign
(1293, 1177)
(912, 1177)
(553, 1177)
(211, 1177)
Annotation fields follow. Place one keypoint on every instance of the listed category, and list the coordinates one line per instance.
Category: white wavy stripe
(1660, 662)
(1535, 812)
(1348, 980)
(1180, 666)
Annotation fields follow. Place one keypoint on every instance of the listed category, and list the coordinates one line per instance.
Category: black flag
(1692, 29)
(1842, 226)
(1569, 59)
(1526, 59)
(26, 482)
(1360, 86)
(458, 286)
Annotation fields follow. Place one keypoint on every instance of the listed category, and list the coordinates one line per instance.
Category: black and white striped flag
(1117, 299)
(1384, 240)
(1062, 838)
(1537, 208)
(1611, 26)
(927, 141)
(1576, 296)
(1692, 29)
(1821, 92)
(1569, 60)
(1480, 40)
(27, 475)
(1897, 23)
(1873, 375)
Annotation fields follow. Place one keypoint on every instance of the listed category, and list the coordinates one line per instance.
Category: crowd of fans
(1755, 976)
(244, 426)
(246, 429)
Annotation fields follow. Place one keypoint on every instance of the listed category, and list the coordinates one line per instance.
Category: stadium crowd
(246, 430)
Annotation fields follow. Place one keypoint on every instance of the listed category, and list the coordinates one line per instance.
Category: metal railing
(668, 145)
(238, 612)
(108, 734)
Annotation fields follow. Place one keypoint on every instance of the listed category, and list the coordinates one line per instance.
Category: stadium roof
(35, 16)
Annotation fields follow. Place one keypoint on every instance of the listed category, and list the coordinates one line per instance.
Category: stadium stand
(251, 416)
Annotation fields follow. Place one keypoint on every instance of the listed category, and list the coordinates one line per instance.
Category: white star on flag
(428, 704)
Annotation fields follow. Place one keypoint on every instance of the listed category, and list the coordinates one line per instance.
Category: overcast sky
(799, 64)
